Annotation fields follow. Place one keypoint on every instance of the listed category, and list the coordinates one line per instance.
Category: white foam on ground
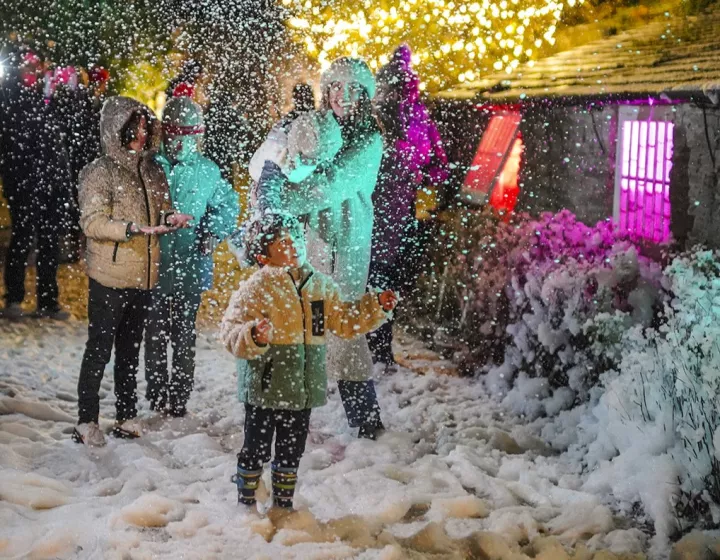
(453, 473)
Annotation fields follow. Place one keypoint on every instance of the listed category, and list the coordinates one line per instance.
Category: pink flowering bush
(524, 290)
(620, 357)
(561, 274)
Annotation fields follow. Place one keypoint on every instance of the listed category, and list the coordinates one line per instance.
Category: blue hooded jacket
(198, 189)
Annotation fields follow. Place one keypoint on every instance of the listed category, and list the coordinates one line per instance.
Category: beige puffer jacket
(118, 188)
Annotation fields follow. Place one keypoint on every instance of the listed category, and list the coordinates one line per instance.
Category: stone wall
(695, 177)
(568, 161)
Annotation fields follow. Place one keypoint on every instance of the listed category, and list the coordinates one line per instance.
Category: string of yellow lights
(451, 40)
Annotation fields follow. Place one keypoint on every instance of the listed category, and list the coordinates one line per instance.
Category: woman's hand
(388, 300)
(263, 332)
(178, 220)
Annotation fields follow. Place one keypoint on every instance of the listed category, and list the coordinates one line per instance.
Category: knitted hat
(397, 73)
(346, 70)
(183, 89)
(182, 116)
(403, 54)
(315, 136)
(99, 75)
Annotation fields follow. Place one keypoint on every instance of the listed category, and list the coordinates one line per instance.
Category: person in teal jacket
(186, 264)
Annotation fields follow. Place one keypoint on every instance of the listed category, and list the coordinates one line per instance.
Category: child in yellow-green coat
(276, 325)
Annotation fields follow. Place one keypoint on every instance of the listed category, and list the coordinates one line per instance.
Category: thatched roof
(677, 56)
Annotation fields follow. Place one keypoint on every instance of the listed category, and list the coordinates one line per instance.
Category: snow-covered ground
(452, 478)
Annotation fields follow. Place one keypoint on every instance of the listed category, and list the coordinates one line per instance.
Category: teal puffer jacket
(198, 189)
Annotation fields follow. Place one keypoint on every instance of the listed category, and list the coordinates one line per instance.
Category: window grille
(643, 179)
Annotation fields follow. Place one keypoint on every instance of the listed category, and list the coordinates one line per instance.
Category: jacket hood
(114, 114)
(397, 75)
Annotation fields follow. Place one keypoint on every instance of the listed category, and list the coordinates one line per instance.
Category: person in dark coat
(227, 132)
(85, 144)
(414, 157)
(303, 101)
(184, 84)
(35, 177)
(78, 108)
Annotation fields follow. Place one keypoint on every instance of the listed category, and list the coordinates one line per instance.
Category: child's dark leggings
(290, 428)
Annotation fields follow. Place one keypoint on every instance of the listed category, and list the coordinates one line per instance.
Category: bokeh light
(452, 40)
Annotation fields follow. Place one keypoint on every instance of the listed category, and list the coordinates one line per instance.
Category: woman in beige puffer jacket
(125, 204)
(119, 188)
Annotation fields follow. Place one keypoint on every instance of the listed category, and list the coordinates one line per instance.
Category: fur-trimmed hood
(116, 111)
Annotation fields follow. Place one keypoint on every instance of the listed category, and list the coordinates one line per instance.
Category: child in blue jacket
(186, 268)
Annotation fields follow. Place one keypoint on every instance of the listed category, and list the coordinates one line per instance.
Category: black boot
(247, 484)
(177, 409)
(371, 430)
(284, 481)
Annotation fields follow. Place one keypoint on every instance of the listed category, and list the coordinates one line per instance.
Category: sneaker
(390, 368)
(55, 314)
(89, 434)
(13, 311)
(128, 429)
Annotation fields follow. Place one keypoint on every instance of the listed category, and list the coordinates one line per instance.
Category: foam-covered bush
(518, 294)
(651, 434)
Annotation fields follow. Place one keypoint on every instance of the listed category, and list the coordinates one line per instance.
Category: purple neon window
(645, 179)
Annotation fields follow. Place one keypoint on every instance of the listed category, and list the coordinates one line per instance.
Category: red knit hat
(30, 58)
(99, 75)
(183, 89)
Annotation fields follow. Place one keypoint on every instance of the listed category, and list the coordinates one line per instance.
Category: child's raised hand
(388, 300)
(263, 332)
